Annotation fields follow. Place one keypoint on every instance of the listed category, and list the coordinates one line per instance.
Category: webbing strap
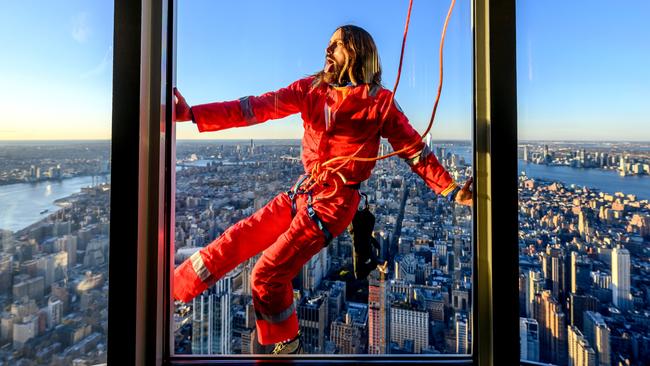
(321, 225)
(294, 191)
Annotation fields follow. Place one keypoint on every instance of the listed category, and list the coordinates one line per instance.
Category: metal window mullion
(496, 185)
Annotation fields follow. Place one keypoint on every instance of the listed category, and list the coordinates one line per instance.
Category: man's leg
(238, 243)
(271, 278)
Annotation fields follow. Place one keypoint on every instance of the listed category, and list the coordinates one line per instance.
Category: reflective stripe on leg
(279, 317)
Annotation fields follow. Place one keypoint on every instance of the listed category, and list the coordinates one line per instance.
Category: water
(21, 204)
(603, 180)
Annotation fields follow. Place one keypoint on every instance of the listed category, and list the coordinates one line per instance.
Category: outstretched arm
(246, 111)
(401, 134)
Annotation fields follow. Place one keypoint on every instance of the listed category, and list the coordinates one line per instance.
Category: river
(21, 204)
(604, 180)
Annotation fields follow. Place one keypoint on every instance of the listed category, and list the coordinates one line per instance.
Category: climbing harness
(322, 172)
(311, 212)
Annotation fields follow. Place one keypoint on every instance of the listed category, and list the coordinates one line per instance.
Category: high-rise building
(407, 323)
(580, 352)
(211, 319)
(314, 270)
(535, 286)
(460, 298)
(598, 335)
(348, 332)
(25, 330)
(68, 244)
(378, 321)
(312, 317)
(554, 267)
(601, 279)
(578, 304)
(623, 165)
(54, 311)
(552, 328)
(463, 345)
(405, 266)
(621, 278)
(580, 273)
(523, 292)
(336, 300)
(547, 155)
(526, 153)
(583, 226)
(6, 272)
(529, 339)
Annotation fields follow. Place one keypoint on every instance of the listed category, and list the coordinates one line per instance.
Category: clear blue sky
(584, 69)
(583, 66)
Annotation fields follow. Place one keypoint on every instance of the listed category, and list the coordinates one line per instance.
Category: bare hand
(464, 196)
(183, 110)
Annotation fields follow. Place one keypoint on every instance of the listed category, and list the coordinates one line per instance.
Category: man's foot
(291, 347)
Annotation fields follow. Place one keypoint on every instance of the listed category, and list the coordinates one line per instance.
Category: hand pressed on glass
(183, 110)
(464, 196)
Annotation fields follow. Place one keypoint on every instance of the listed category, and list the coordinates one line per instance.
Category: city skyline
(588, 98)
(569, 233)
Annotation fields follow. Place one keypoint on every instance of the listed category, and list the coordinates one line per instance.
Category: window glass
(584, 160)
(423, 304)
(55, 129)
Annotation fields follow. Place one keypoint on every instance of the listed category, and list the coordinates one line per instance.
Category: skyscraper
(526, 153)
(580, 273)
(462, 334)
(312, 316)
(554, 267)
(211, 319)
(378, 324)
(348, 333)
(578, 304)
(598, 335)
(529, 339)
(535, 286)
(407, 323)
(314, 270)
(580, 352)
(547, 155)
(552, 328)
(621, 278)
(623, 165)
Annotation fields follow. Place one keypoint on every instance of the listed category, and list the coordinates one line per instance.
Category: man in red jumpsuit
(343, 107)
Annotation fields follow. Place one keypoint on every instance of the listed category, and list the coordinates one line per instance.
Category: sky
(582, 65)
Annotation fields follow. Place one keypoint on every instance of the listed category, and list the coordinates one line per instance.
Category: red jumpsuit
(337, 121)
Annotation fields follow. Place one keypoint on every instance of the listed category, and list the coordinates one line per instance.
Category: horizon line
(299, 139)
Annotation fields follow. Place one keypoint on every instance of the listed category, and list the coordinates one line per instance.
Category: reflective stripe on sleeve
(449, 189)
(247, 110)
(279, 317)
(199, 267)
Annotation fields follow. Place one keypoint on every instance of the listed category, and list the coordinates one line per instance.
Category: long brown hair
(363, 66)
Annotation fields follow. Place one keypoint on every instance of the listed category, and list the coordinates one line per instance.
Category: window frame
(142, 203)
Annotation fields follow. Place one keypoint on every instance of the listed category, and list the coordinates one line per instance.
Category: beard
(332, 71)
